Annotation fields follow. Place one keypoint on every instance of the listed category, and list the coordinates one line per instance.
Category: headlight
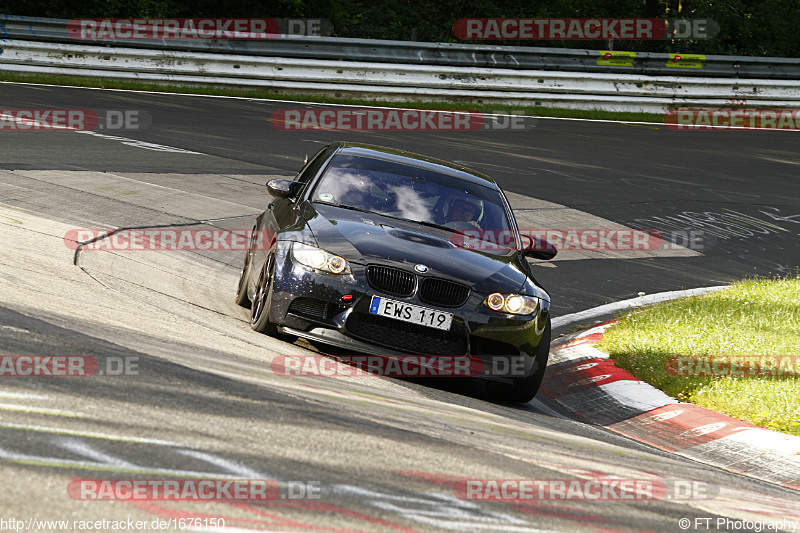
(515, 304)
(317, 259)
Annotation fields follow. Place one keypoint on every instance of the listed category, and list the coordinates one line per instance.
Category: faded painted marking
(88, 434)
(225, 464)
(38, 410)
(57, 462)
(80, 447)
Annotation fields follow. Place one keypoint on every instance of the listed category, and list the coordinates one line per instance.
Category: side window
(310, 170)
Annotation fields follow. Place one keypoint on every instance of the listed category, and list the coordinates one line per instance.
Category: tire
(259, 309)
(241, 291)
(522, 390)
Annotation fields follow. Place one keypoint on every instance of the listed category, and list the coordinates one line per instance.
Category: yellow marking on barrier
(686, 60)
(609, 58)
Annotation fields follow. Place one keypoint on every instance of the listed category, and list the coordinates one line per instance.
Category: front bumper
(334, 309)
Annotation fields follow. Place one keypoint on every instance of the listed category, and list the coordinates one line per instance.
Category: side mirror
(283, 188)
(538, 248)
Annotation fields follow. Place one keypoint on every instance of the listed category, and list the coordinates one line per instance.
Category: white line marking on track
(250, 99)
(39, 410)
(442, 510)
(225, 464)
(139, 144)
(128, 142)
(58, 462)
(639, 301)
(22, 395)
(637, 395)
(12, 328)
(88, 434)
(539, 405)
(79, 447)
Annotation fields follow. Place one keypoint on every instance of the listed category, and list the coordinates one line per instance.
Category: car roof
(417, 160)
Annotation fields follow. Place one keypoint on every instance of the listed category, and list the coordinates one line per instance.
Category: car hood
(365, 238)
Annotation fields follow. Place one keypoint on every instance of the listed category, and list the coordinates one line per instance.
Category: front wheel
(523, 390)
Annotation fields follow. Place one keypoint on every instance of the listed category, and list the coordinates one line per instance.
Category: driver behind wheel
(462, 214)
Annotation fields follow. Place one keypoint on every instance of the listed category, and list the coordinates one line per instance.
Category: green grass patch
(756, 317)
(134, 85)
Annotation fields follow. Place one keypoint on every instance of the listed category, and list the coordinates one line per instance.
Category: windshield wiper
(432, 225)
(350, 207)
(422, 222)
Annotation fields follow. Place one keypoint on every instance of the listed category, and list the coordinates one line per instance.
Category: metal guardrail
(394, 70)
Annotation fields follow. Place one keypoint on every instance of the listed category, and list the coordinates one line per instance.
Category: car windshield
(411, 193)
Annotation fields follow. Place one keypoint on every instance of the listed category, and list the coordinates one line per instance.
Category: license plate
(410, 313)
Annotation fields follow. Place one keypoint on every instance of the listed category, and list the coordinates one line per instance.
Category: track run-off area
(185, 390)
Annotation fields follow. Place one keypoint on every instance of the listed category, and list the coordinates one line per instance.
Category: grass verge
(133, 85)
(756, 318)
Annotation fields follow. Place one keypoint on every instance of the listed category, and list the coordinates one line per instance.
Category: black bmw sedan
(381, 251)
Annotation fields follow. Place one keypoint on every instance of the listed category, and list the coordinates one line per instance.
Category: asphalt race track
(200, 396)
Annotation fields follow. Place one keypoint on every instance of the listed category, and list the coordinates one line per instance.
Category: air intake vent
(406, 337)
(313, 308)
